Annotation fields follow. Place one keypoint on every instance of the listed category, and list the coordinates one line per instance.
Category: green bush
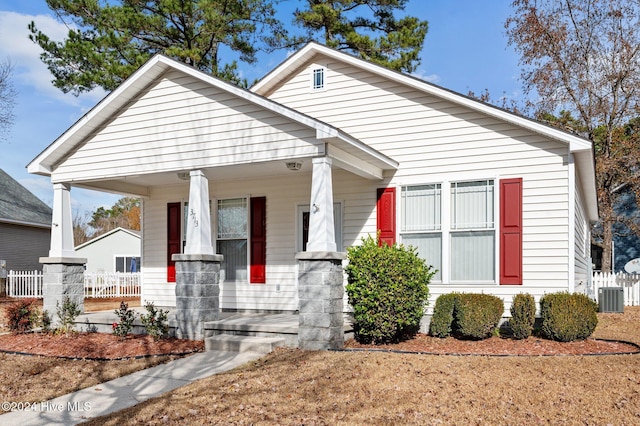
(126, 317)
(22, 315)
(388, 290)
(523, 315)
(568, 316)
(67, 314)
(476, 316)
(155, 321)
(442, 319)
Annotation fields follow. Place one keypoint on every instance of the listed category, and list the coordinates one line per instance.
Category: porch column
(63, 270)
(320, 272)
(198, 269)
(321, 231)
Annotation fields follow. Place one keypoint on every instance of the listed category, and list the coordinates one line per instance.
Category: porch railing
(629, 282)
(102, 285)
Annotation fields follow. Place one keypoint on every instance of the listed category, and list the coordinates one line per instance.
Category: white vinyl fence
(629, 282)
(119, 284)
(24, 284)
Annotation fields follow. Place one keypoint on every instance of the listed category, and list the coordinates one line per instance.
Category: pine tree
(367, 28)
(109, 40)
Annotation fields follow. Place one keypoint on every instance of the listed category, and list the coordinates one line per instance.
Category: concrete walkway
(127, 391)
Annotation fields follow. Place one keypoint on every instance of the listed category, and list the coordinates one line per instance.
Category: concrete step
(234, 343)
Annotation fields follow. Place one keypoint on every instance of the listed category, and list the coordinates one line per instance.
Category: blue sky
(465, 49)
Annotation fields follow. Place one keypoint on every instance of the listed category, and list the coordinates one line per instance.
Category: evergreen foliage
(366, 28)
(388, 290)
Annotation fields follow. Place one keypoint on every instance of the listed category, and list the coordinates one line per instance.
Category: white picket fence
(119, 284)
(629, 282)
(24, 283)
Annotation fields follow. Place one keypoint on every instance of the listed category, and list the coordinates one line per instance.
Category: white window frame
(315, 70)
(214, 219)
(125, 256)
(446, 226)
(435, 230)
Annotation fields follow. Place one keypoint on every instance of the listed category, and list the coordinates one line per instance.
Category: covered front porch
(238, 199)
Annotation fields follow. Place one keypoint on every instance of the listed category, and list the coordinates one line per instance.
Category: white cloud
(431, 78)
(25, 56)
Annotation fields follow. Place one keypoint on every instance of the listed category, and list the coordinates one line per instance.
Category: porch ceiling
(140, 185)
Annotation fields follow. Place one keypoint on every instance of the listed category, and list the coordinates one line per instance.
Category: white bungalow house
(115, 251)
(325, 150)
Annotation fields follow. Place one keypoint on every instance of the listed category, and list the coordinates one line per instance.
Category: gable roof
(581, 148)
(19, 206)
(99, 116)
(107, 234)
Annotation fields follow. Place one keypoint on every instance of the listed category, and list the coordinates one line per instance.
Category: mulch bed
(99, 346)
(500, 346)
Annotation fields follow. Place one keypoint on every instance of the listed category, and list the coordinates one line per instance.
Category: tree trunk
(607, 246)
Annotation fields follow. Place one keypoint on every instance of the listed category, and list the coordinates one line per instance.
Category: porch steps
(235, 343)
(280, 326)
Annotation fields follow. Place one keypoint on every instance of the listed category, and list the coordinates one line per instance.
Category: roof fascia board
(23, 223)
(323, 130)
(36, 166)
(106, 234)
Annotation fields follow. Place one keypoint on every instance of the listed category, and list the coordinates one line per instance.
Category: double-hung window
(468, 234)
(473, 231)
(421, 222)
(231, 239)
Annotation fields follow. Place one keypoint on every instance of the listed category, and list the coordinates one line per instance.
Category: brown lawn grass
(296, 387)
(35, 378)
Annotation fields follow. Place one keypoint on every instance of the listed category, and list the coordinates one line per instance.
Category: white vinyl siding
(184, 124)
(437, 141)
(283, 195)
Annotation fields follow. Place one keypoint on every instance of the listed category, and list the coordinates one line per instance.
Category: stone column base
(320, 292)
(197, 293)
(63, 277)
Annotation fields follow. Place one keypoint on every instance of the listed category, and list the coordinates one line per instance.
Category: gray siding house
(25, 226)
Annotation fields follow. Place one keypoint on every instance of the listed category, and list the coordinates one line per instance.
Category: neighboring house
(496, 202)
(115, 251)
(25, 226)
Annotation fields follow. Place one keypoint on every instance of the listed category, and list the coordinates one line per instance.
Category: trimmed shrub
(67, 314)
(126, 317)
(155, 321)
(442, 319)
(523, 315)
(388, 290)
(476, 316)
(568, 316)
(22, 315)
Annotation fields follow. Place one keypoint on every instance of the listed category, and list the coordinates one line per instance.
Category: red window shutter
(257, 272)
(386, 215)
(511, 231)
(173, 238)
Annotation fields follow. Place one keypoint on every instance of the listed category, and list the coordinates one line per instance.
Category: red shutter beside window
(386, 215)
(511, 231)
(173, 238)
(257, 270)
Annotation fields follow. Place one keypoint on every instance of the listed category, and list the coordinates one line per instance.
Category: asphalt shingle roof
(18, 204)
